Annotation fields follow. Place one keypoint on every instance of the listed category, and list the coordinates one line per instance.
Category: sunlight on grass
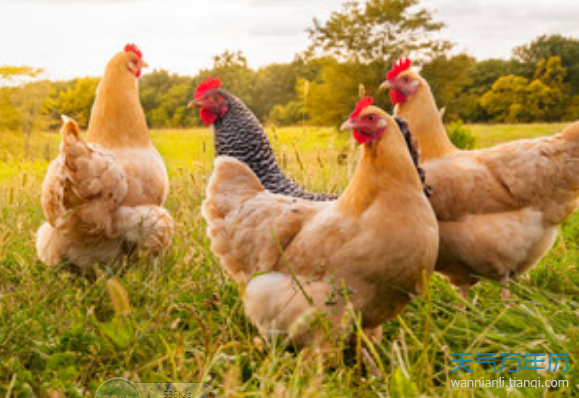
(61, 335)
(493, 134)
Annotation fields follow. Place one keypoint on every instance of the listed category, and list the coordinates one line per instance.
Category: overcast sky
(72, 38)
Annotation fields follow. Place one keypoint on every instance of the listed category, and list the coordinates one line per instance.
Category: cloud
(72, 38)
(277, 28)
(491, 28)
(289, 3)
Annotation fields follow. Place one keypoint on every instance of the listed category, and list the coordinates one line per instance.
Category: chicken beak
(144, 64)
(347, 125)
(386, 85)
(194, 104)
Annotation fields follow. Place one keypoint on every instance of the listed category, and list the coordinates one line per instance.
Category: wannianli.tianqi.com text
(503, 382)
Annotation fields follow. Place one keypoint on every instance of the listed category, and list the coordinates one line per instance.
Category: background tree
(357, 45)
(10, 78)
(450, 79)
(73, 99)
(378, 30)
(354, 47)
(236, 77)
(331, 97)
(505, 101)
(9, 118)
(28, 100)
(164, 97)
(18, 74)
(547, 46)
(275, 87)
(551, 73)
(518, 99)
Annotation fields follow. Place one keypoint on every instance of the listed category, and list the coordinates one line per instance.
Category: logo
(119, 387)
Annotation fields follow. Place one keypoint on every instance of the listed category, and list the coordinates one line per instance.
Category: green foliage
(547, 46)
(275, 87)
(449, 78)
(353, 48)
(516, 99)
(337, 81)
(572, 109)
(164, 97)
(75, 100)
(21, 100)
(506, 100)
(16, 73)
(461, 136)
(377, 30)
(485, 73)
(459, 82)
(28, 100)
(236, 77)
(9, 117)
(331, 97)
(287, 115)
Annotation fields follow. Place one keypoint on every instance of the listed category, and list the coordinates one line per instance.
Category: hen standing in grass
(373, 248)
(238, 133)
(102, 196)
(498, 208)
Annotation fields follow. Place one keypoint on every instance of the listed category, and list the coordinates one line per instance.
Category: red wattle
(397, 97)
(207, 117)
(361, 138)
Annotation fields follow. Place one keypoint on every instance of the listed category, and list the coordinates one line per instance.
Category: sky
(75, 38)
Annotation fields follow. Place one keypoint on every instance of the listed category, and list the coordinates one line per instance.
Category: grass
(493, 134)
(61, 336)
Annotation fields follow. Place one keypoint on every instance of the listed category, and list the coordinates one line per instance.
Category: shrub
(461, 136)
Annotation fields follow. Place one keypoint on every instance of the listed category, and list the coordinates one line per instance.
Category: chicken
(370, 250)
(102, 196)
(498, 208)
(239, 134)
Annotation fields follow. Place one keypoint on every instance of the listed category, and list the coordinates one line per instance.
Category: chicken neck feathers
(117, 119)
(240, 135)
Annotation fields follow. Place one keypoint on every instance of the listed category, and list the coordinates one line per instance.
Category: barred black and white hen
(239, 134)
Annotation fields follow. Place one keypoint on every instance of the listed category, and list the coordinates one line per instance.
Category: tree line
(348, 56)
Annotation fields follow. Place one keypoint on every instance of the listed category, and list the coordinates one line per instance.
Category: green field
(61, 336)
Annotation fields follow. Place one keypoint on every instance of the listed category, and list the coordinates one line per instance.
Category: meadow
(182, 319)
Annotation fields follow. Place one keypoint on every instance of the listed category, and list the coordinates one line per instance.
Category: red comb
(399, 66)
(363, 103)
(134, 49)
(208, 84)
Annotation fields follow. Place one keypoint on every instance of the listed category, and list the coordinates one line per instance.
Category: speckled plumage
(239, 134)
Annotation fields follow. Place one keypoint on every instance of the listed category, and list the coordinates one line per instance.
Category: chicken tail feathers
(83, 186)
(50, 245)
(231, 184)
(89, 173)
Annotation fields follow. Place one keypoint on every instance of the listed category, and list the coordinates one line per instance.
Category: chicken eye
(215, 98)
(371, 117)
